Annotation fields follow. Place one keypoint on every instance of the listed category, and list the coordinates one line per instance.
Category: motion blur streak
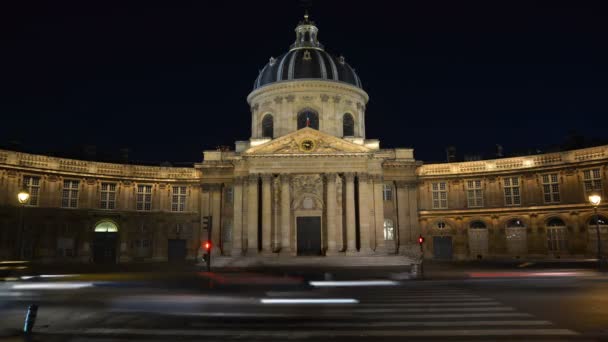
(524, 274)
(308, 301)
(354, 283)
(51, 286)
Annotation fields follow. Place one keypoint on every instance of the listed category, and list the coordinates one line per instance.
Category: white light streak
(308, 301)
(51, 286)
(353, 283)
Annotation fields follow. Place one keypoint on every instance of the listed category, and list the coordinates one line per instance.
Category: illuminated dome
(307, 59)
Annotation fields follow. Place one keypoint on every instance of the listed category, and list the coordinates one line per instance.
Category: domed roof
(307, 59)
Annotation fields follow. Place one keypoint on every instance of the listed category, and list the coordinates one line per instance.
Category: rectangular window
(69, 195)
(108, 196)
(387, 192)
(32, 184)
(439, 192)
(592, 180)
(474, 194)
(551, 188)
(512, 191)
(178, 198)
(144, 197)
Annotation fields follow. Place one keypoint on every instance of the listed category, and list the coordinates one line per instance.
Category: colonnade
(264, 211)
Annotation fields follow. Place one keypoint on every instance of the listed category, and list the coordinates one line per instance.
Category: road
(313, 305)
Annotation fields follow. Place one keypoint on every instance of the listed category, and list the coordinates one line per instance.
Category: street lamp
(595, 199)
(23, 197)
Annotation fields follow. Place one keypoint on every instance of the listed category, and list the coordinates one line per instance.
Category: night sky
(170, 79)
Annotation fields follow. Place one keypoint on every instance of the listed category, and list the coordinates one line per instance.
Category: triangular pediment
(307, 141)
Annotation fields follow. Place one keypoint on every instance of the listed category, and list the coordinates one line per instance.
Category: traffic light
(420, 240)
(207, 222)
(207, 246)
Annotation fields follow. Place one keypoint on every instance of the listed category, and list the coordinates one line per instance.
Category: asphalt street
(321, 305)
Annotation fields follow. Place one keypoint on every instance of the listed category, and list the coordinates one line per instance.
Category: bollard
(30, 318)
(414, 271)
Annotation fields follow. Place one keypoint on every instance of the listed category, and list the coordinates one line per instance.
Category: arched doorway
(592, 225)
(556, 235)
(442, 241)
(104, 243)
(478, 240)
(517, 238)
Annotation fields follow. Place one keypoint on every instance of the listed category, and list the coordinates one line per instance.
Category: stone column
(364, 213)
(216, 212)
(266, 213)
(332, 247)
(237, 220)
(351, 239)
(404, 233)
(379, 246)
(285, 215)
(252, 217)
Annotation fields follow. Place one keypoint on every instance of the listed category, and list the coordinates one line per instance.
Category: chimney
(499, 153)
(124, 155)
(451, 154)
(90, 152)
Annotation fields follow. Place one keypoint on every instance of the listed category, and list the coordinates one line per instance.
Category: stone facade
(307, 182)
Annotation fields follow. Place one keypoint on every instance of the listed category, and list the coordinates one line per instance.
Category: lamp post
(595, 199)
(23, 197)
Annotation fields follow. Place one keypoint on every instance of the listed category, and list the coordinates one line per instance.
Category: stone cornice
(507, 210)
(307, 85)
(506, 165)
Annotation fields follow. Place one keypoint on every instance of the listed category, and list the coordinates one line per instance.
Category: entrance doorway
(442, 247)
(309, 235)
(104, 243)
(176, 250)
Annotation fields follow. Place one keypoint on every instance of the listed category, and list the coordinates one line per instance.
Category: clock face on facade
(307, 145)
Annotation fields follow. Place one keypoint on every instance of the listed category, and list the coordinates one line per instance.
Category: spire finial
(306, 15)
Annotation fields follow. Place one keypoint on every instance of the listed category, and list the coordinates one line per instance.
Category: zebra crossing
(378, 313)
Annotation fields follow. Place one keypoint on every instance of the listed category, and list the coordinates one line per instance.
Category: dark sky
(170, 79)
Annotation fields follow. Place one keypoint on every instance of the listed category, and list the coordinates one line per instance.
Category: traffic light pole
(209, 239)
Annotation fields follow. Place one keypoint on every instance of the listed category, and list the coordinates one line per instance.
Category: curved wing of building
(307, 182)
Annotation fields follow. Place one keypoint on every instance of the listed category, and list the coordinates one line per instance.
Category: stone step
(336, 261)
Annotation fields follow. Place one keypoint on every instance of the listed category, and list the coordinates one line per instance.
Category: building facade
(307, 182)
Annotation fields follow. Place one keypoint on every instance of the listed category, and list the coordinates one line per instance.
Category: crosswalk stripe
(325, 333)
(474, 304)
(387, 324)
(348, 314)
(424, 300)
(493, 309)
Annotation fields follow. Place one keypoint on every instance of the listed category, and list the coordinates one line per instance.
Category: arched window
(477, 225)
(598, 219)
(267, 126)
(348, 125)
(555, 222)
(389, 230)
(308, 118)
(440, 225)
(556, 235)
(106, 227)
(515, 223)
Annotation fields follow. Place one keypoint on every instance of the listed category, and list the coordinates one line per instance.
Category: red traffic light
(207, 245)
(420, 239)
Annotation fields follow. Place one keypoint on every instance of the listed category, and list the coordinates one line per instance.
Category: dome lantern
(307, 60)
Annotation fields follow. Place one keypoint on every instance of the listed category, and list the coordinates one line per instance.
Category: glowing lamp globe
(595, 199)
(23, 196)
